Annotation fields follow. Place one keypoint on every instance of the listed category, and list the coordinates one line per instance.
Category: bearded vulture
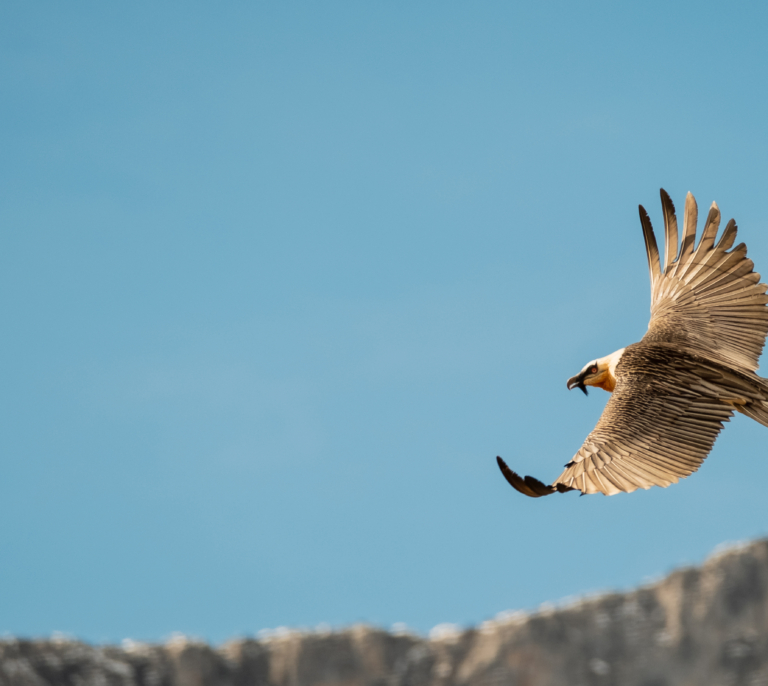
(695, 367)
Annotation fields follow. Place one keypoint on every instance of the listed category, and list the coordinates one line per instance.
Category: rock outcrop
(698, 626)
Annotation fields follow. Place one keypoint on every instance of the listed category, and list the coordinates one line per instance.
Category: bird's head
(600, 373)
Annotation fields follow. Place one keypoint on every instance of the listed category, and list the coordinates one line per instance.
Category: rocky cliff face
(698, 626)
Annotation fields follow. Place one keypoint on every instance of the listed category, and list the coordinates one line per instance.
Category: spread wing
(658, 426)
(706, 298)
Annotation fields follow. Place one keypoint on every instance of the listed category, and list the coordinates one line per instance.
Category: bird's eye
(593, 370)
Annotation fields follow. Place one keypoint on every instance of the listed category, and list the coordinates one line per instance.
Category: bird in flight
(695, 367)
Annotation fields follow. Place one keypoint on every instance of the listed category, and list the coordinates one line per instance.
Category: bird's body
(672, 391)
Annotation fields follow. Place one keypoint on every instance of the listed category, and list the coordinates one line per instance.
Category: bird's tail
(757, 410)
(755, 403)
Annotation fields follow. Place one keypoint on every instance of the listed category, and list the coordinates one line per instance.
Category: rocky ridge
(698, 626)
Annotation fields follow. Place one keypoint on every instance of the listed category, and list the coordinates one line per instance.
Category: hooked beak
(578, 382)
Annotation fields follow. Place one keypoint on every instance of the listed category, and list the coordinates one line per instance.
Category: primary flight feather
(693, 369)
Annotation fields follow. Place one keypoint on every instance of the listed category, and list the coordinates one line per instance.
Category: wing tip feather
(651, 248)
(665, 198)
(671, 246)
(528, 485)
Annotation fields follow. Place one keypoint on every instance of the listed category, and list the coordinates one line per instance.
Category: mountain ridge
(700, 625)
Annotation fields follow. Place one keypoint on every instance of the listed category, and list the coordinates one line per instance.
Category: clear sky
(278, 281)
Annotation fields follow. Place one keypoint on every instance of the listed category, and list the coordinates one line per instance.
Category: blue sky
(278, 281)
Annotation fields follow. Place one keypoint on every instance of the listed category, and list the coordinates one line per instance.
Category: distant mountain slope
(698, 626)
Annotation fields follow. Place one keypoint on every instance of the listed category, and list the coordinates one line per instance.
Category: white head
(600, 373)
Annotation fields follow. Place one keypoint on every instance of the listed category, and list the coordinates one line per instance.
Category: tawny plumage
(693, 369)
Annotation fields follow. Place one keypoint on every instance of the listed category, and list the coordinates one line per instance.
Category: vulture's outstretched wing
(658, 426)
(706, 298)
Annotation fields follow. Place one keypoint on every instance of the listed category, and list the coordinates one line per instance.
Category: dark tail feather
(757, 410)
